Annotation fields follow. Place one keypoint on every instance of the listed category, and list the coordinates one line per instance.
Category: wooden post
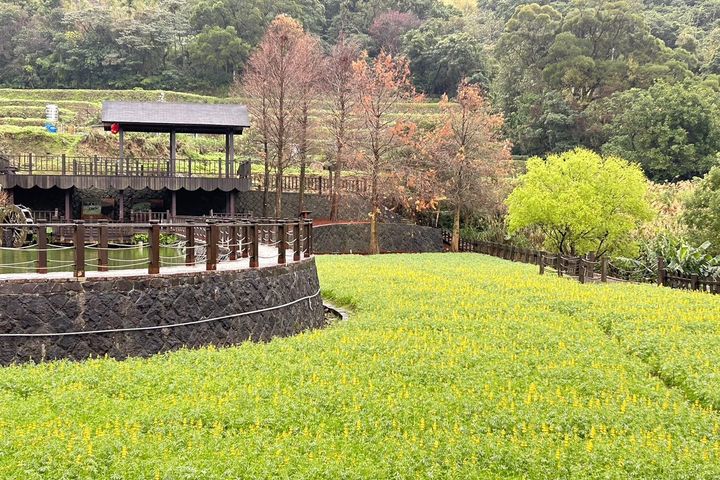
(63, 160)
(662, 274)
(603, 269)
(219, 167)
(154, 265)
(319, 179)
(95, 165)
(173, 153)
(122, 144)
(189, 244)
(42, 246)
(282, 242)
(694, 282)
(30, 163)
(591, 271)
(121, 206)
(254, 245)
(102, 247)
(542, 264)
(558, 262)
(582, 265)
(68, 207)
(309, 238)
(233, 242)
(189, 166)
(211, 246)
(296, 241)
(79, 243)
(75, 166)
(173, 205)
(245, 241)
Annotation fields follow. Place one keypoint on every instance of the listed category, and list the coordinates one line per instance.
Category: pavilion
(41, 173)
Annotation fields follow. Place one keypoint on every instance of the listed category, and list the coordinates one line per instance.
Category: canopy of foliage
(702, 210)
(581, 202)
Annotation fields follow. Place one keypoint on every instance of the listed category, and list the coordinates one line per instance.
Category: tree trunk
(335, 201)
(278, 192)
(374, 245)
(455, 246)
(266, 180)
(303, 159)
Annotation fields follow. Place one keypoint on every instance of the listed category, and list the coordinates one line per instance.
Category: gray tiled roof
(180, 114)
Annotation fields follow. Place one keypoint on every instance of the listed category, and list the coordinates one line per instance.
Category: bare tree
(309, 79)
(339, 88)
(275, 70)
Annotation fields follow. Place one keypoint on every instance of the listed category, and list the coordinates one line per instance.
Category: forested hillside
(636, 78)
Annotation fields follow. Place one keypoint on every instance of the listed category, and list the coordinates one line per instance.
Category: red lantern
(115, 128)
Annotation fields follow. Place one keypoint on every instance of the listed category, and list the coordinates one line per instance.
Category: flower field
(452, 366)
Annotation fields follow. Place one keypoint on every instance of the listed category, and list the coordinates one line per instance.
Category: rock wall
(126, 302)
(393, 238)
(351, 208)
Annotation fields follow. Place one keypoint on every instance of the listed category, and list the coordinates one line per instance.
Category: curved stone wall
(393, 238)
(67, 305)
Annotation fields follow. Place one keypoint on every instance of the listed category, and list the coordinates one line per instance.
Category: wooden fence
(313, 183)
(210, 242)
(583, 268)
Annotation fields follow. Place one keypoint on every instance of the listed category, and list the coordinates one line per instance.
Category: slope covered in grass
(452, 366)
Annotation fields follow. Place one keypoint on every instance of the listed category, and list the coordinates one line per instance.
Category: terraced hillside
(22, 120)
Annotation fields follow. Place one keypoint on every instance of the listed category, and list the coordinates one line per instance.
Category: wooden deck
(47, 171)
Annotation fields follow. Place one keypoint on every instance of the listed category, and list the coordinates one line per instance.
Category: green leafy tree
(702, 211)
(217, 54)
(441, 54)
(581, 202)
(671, 130)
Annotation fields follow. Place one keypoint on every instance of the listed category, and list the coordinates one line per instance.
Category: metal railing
(210, 241)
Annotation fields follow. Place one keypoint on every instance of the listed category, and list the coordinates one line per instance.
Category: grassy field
(452, 366)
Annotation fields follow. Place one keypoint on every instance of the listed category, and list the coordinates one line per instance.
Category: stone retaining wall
(393, 238)
(111, 303)
(351, 207)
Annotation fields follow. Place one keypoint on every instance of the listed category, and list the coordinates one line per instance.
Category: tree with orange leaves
(277, 80)
(380, 85)
(471, 158)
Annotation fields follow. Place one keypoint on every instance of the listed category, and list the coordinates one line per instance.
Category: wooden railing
(583, 268)
(29, 164)
(313, 183)
(671, 279)
(210, 242)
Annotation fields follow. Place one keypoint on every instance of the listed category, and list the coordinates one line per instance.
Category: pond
(62, 259)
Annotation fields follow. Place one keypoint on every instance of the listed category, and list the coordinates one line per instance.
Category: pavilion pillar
(173, 204)
(231, 202)
(122, 150)
(68, 212)
(173, 150)
(230, 155)
(121, 206)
